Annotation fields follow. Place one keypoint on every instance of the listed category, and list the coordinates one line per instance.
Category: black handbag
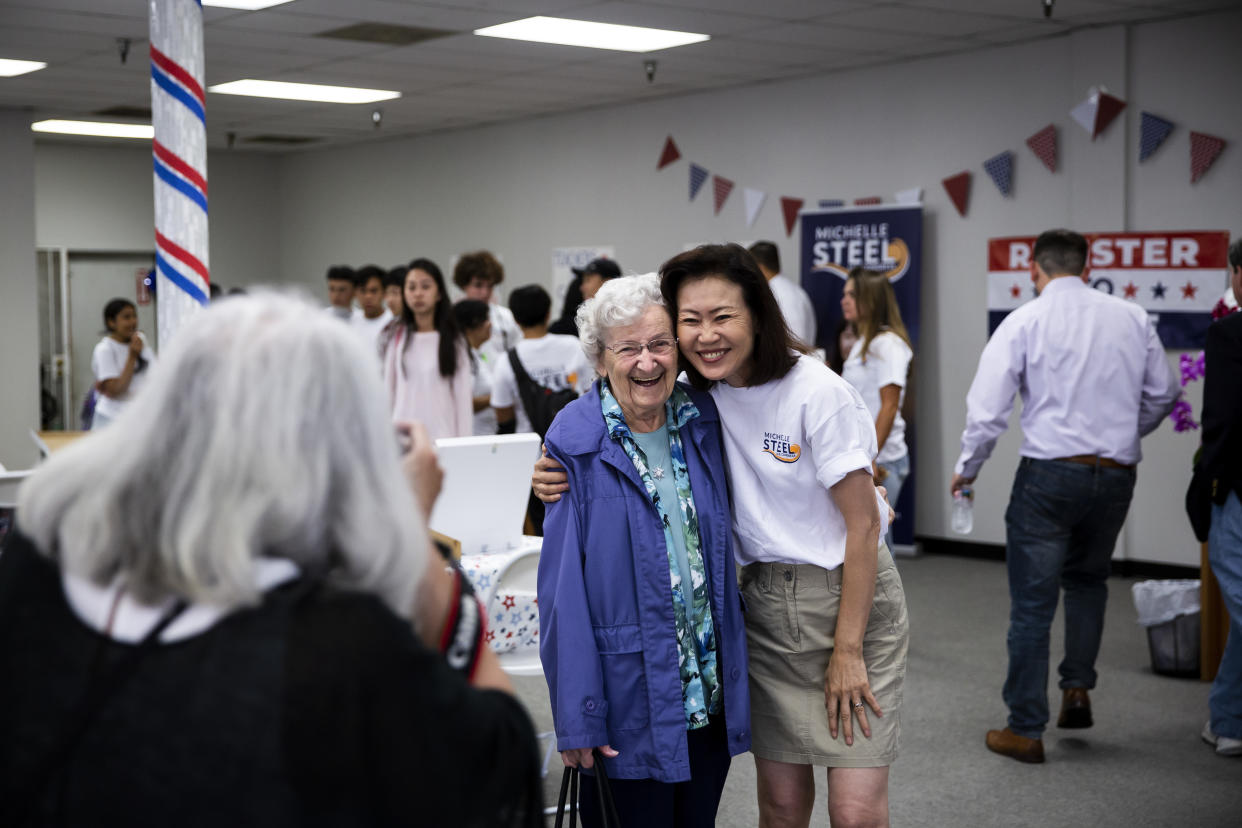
(603, 790)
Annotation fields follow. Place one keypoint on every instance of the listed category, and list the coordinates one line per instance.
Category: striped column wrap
(179, 156)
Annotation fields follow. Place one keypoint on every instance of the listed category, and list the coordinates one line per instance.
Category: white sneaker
(1225, 746)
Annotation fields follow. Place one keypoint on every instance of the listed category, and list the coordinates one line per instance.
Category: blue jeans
(1225, 555)
(1060, 528)
(898, 470)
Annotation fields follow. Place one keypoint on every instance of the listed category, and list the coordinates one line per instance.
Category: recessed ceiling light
(101, 128)
(11, 68)
(303, 91)
(248, 5)
(592, 35)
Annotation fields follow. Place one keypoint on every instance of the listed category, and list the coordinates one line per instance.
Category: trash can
(1170, 612)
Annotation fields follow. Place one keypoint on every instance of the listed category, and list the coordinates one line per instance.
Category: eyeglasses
(632, 350)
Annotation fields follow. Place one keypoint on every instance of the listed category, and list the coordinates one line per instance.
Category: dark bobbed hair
(775, 349)
(470, 314)
(1060, 252)
(767, 255)
(442, 317)
(113, 309)
(343, 273)
(1235, 254)
(368, 272)
(480, 264)
(531, 305)
(396, 277)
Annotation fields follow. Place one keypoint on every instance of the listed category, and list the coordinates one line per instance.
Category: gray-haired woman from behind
(222, 610)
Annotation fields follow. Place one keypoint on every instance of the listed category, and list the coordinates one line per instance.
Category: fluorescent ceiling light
(592, 35)
(248, 5)
(10, 68)
(303, 91)
(100, 128)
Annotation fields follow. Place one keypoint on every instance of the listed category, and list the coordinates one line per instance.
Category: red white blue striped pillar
(178, 112)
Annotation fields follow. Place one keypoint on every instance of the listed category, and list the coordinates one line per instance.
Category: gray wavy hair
(263, 431)
(619, 301)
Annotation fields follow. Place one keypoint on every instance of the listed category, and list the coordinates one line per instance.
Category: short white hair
(264, 431)
(619, 301)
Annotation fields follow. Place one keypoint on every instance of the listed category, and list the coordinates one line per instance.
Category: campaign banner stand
(887, 238)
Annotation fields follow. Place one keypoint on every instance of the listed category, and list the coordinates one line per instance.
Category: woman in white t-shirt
(120, 361)
(826, 617)
(877, 365)
(426, 364)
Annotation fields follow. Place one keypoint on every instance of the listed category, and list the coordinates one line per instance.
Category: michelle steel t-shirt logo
(781, 446)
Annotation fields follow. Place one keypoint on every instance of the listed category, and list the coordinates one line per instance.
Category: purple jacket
(605, 602)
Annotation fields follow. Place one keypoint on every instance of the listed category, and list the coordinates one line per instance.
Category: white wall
(19, 332)
(522, 188)
(100, 198)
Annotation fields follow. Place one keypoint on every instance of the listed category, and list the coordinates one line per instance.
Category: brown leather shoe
(1007, 743)
(1075, 708)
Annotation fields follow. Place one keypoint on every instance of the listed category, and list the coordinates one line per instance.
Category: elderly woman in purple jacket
(643, 642)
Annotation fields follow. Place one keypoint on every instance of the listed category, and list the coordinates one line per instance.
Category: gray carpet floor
(1143, 763)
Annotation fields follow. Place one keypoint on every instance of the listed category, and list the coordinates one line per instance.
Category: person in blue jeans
(1094, 379)
(1217, 486)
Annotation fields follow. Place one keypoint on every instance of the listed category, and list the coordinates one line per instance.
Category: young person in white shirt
(826, 625)
(553, 361)
(120, 361)
(375, 315)
(478, 274)
(341, 287)
(878, 365)
(795, 305)
(475, 324)
(426, 366)
(394, 282)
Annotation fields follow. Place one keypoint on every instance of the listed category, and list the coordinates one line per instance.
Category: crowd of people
(713, 577)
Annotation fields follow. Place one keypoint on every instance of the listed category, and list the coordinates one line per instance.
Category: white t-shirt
(554, 361)
(343, 314)
(888, 363)
(370, 329)
(796, 307)
(787, 442)
(481, 365)
(107, 362)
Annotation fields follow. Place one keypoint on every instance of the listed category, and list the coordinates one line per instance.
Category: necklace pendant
(658, 472)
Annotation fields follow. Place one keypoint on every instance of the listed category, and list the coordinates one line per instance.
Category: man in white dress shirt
(1094, 379)
(795, 305)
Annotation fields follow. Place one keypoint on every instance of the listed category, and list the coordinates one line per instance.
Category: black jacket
(1219, 468)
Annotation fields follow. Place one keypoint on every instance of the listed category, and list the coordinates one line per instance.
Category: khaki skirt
(791, 616)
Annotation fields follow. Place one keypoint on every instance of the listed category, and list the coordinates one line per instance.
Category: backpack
(541, 404)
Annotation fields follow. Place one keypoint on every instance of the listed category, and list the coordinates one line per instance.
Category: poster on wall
(564, 260)
(887, 238)
(1176, 276)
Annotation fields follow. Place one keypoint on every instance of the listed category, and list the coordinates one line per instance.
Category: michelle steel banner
(1176, 276)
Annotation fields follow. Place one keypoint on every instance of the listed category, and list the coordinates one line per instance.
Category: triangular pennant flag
(829, 203)
(1044, 145)
(912, 196)
(868, 201)
(790, 208)
(670, 153)
(1109, 108)
(958, 188)
(1152, 132)
(1204, 149)
(1000, 167)
(754, 201)
(722, 187)
(1084, 114)
(697, 176)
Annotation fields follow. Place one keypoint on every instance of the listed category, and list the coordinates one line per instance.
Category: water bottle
(963, 511)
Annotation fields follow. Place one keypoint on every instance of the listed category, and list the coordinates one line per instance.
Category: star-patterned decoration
(1131, 290)
(1157, 290)
(1015, 292)
(1189, 290)
(509, 602)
